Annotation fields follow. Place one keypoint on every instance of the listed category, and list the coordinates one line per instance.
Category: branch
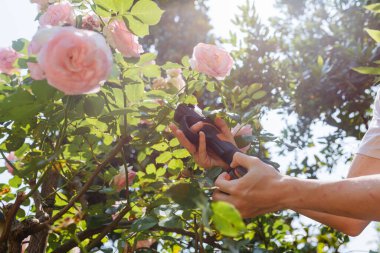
(10, 216)
(101, 166)
(108, 228)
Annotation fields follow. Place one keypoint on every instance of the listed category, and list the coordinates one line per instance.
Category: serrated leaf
(150, 169)
(227, 219)
(187, 195)
(93, 105)
(147, 11)
(134, 92)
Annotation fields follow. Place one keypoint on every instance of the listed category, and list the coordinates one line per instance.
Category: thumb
(246, 161)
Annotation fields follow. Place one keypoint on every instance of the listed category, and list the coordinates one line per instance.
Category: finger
(246, 161)
(224, 183)
(185, 142)
(220, 196)
(223, 127)
(197, 126)
(202, 147)
(173, 127)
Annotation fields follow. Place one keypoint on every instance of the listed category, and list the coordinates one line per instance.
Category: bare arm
(361, 165)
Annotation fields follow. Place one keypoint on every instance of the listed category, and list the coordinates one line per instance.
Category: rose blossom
(8, 57)
(240, 130)
(177, 82)
(36, 72)
(159, 83)
(58, 14)
(211, 60)
(120, 180)
(91, 22)
(174, 72)
(75, 61)
(12, 158)
(122, 39)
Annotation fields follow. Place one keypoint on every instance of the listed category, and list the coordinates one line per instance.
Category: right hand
(203, 157)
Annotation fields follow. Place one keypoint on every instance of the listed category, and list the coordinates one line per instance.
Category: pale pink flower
(211, 60)
(176, 82)
(174, 72)
(75, 61)
(119, 37)
(12, 158)
(91, 22)
(36, 72)
(41, 38)
(145, 243)
(120, 180)
(58, 14)
(159, 83)
(242, 130)
(8, 57)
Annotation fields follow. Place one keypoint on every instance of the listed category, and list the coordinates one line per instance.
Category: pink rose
(120, 180)
(240, 130)
(58, 14)
(36, 72)
(12, 158)
(91, 22)
(75, 61)
(8, 57)
(122, 39)
(211, 60)
(41, 38)
(145, 243)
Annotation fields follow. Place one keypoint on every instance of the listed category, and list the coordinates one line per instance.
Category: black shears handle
(186, 116)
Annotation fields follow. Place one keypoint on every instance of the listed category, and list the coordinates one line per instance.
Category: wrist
(294, 193)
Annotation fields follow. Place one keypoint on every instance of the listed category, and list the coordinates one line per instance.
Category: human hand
(203, 157)
(257, 192)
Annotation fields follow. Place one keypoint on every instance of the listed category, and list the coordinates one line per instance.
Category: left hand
(257, 192)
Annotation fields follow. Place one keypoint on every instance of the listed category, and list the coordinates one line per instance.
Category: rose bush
(74, 150)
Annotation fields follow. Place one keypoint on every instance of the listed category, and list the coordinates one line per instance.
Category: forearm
(349, 226)
(356, 198)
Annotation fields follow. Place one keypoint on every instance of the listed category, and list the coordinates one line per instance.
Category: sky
(17, 21)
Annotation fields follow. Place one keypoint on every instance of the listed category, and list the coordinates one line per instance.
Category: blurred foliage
(183, 25)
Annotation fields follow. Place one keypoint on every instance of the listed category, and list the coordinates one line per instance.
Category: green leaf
(122, 6)
(375, 34)
(136, 26)
(134, 92)
(150, 169)
(15, 182)
(172, 222)
(258, 95)
(187, 195)
(147, 11)
(181, 153)
(144, 223)
(373, 7)
(171, 65)
(93, 105)
(146, 58)
(175, 166)
(21, 46)
(43, 91)
(164, 157)
(227, 219)
(151, 70)
(160, 146)
(367, 70)
(320, 61)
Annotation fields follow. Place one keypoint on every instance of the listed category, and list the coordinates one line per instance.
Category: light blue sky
(17, 21)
